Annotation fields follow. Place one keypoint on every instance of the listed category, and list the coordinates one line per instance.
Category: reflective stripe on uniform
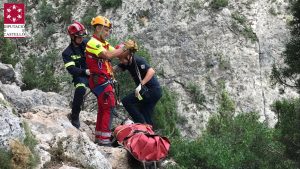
(75, 57)
(80, 85)
(102, 141)
(94, 46)
(69, 64)
(103, 134)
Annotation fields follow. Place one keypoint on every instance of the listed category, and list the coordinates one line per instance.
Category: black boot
(74, 122)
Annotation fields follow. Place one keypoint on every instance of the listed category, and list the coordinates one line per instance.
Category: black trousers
(141, 111)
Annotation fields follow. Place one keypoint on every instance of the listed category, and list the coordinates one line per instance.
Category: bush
(5, 157)
(166, 116)
(197, 96)
(46, 13)
(242, 142)
(7, 48)
(217, 4)
(288, 124)
(20, 155)
(31, 143)
(89, 14)
(106, 4)
(39, 73)
(65, 10)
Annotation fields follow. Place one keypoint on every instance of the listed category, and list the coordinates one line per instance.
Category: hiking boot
(75, 123)
(105, 145)
(101, 144)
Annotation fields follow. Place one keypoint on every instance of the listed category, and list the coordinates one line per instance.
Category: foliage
(31, 143)
(197, 96)
(227, 105)
(5, 157)
(89, 14)
(217, 4)
(106, 4)
(20, 155)
(166, 115)
(7, 48)
(239, 17)
(288, 112)
(288, 75)
(46, 13)
(48, 31)
(65, 10)
(39, 73)
(240, 25)
(241, 142)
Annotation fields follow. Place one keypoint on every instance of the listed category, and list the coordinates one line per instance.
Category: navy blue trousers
(141, 111)
(79, 93)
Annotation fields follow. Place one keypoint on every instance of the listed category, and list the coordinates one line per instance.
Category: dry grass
(20, 155)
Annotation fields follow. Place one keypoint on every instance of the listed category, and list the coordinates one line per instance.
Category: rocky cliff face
(228, 49)
(192, 43)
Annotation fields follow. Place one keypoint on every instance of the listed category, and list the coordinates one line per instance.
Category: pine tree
(289, 74)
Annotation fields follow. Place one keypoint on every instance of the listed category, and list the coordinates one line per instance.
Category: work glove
(131, 45)
(87, 72)
(137, 92)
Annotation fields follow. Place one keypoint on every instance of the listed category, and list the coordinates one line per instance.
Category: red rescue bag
(123, 131)
(141, 141)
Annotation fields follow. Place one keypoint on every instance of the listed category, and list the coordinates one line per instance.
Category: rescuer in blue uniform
(74, 60)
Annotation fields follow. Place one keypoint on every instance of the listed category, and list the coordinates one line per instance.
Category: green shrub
(48, 31)
(65, 11)
(239, 17)
(46, 13)
(39, 73)
(227, 105)
(249, 33)
(31, 143)
(106, 4)
(217, 4)
(288, 112)
(242, 142)
(89, 14)
(5, 157)
(197, 96)
(240, 25)
(166, 116)
(20, 154)
(7, 48)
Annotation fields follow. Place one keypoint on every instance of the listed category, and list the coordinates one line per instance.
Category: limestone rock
(24, 100)
(10, 126)
(53, 131)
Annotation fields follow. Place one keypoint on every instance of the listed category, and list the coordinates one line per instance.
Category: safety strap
(100, 88)
(137, 69)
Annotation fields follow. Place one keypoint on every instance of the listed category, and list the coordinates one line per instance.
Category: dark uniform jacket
(74, 59)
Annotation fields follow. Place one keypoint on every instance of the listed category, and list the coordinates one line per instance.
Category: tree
(288, 75)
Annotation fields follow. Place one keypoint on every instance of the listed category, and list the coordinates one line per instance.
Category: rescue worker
(74, 60)
(140, 103)
(98, 55)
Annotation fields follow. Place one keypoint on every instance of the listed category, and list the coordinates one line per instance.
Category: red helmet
(77, 29)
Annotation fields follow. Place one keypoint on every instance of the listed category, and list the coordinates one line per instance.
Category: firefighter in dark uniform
(74, 60)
